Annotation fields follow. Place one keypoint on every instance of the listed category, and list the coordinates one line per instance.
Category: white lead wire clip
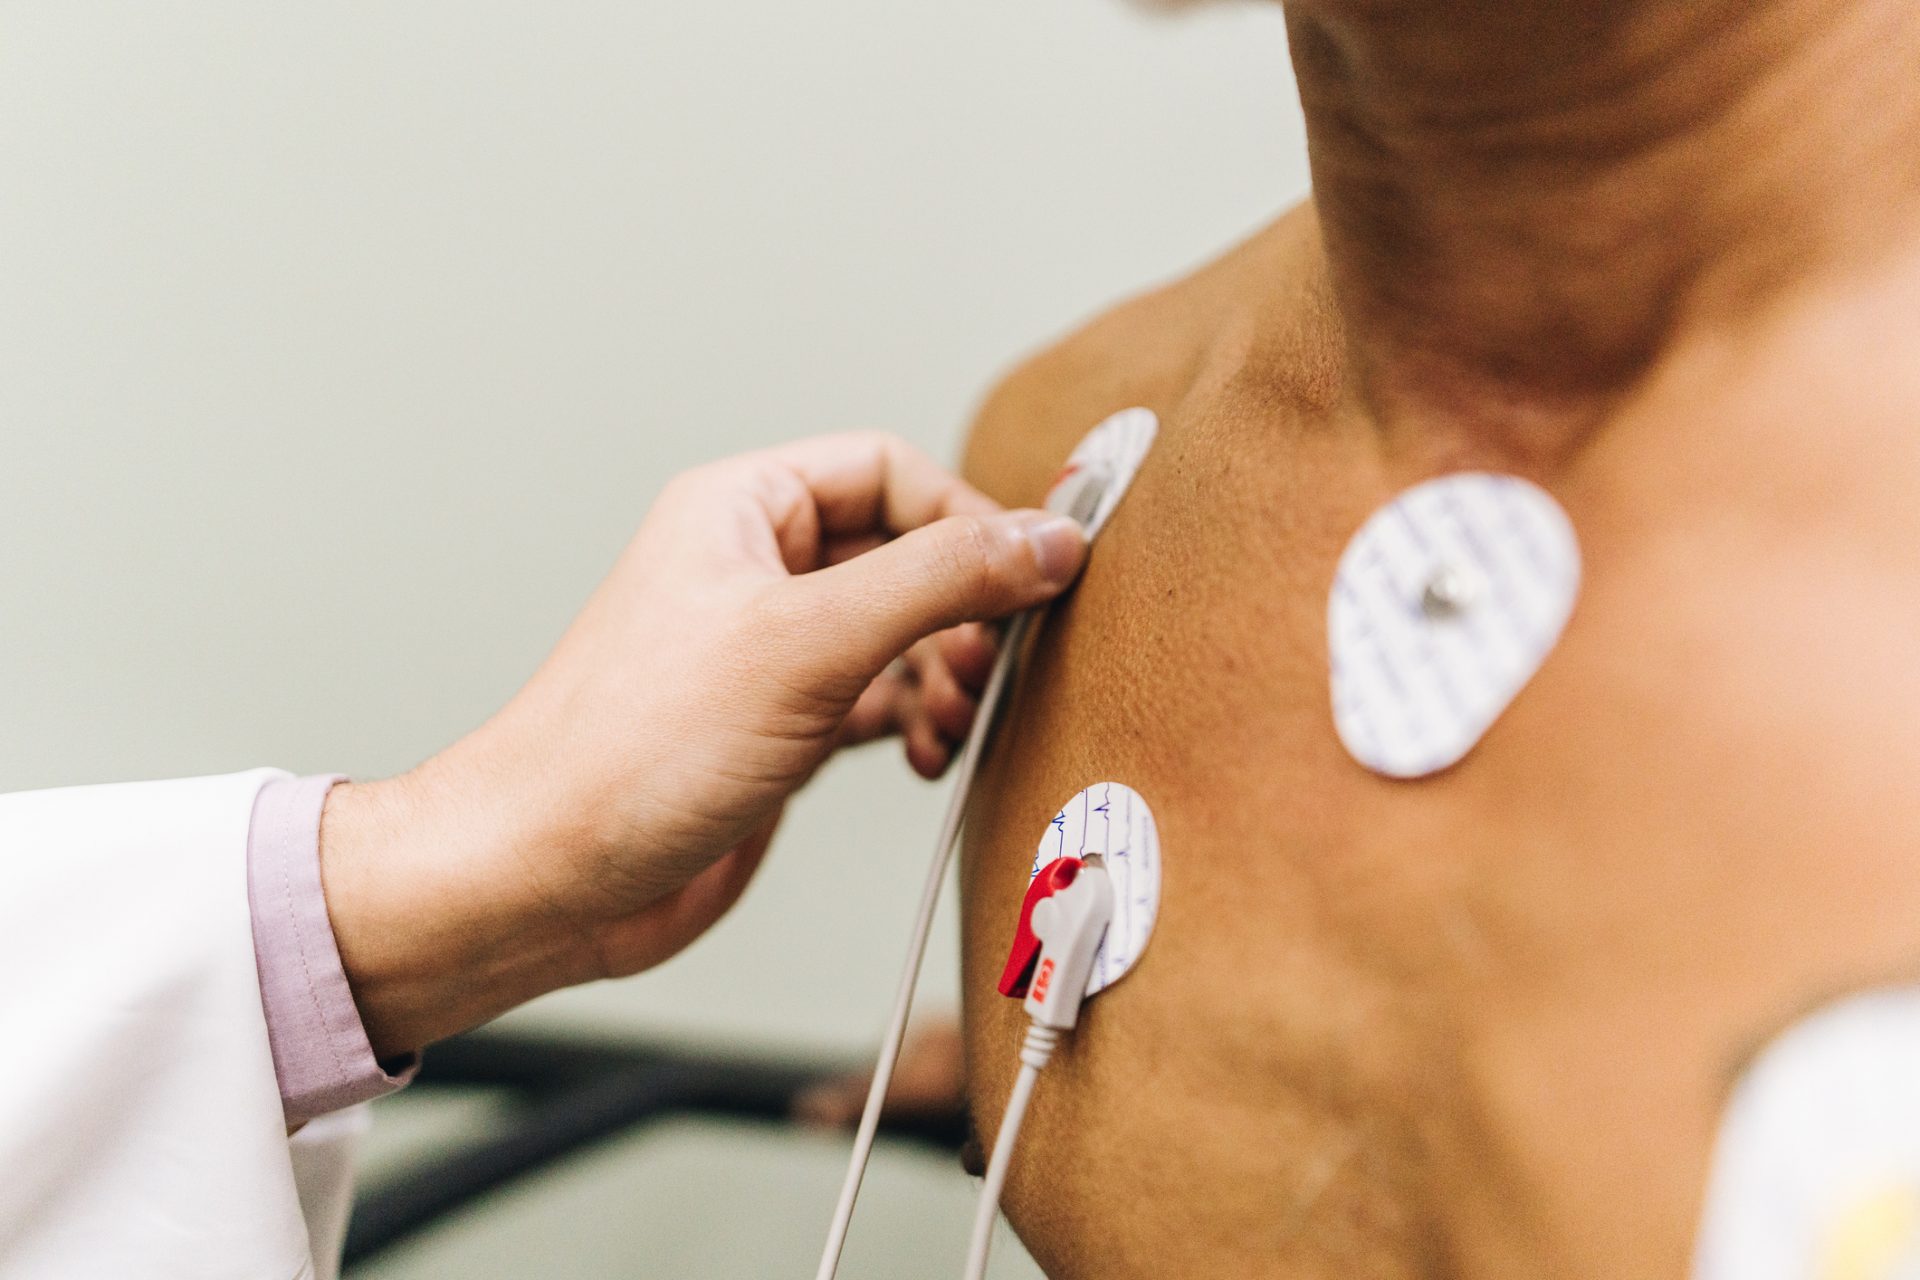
(1070, 923)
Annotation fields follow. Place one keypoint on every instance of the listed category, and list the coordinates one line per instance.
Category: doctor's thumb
(961, 569)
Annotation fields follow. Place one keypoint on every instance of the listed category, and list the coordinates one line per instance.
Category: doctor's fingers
(947, 705)
(870, 609)
(968, 652)
(869, 481)
(947, 670)
(826, 493)
(890, 707)
(920, 699)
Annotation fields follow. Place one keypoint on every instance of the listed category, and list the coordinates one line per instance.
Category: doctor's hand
(772, 608)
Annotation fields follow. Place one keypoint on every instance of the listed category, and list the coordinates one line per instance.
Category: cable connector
(1062, 924)
(1070, 924)
(1024, 957)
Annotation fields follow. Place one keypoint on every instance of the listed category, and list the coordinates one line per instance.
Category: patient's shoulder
(1034, 416)
(1151, 350)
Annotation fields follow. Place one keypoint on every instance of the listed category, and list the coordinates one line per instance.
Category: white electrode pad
(1816, 1174)
(1101, 467)
(1112, 820)
(1444, 606)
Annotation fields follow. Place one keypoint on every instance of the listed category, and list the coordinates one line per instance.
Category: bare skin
(1663, 260)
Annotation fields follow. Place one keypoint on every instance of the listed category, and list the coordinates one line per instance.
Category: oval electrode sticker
(1444, 606)
(1101, 467)
(1112, 820)
(1816, 1173)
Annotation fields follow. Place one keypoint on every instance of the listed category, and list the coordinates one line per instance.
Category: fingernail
(1059, 547)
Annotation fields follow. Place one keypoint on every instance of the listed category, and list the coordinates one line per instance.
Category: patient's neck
(1525, 202)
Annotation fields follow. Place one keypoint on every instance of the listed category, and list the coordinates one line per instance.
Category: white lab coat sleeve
(141, 1132)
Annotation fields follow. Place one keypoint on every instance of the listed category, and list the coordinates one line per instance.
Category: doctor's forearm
(431, 942)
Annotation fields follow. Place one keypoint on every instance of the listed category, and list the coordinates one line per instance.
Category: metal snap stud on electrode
(1445, 603)
(1450, 592)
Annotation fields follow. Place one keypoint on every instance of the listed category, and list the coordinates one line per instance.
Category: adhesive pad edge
(1445, 605)
(1816, 1170)
(1114, 821)
(1109, 456)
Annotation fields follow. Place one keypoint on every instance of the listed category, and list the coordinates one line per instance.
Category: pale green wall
(342, 344)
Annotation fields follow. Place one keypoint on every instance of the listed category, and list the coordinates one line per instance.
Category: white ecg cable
(1070, 925)
(1034, 1054)
(1097, 475)
(1079, 495)
(997, 681)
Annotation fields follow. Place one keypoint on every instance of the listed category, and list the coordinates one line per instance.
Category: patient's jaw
(1480, 1024)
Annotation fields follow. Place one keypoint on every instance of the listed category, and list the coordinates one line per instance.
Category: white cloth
(141, 1132)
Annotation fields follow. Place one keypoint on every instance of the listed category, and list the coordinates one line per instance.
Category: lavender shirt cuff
(320, 1048)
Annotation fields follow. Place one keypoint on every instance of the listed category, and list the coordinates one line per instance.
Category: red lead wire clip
(1053, 877)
